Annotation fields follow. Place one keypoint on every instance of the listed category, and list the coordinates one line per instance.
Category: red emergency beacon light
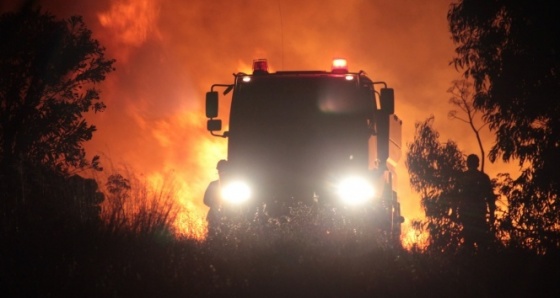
(339, 65)
(260, 66)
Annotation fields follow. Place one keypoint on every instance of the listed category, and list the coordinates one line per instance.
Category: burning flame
(192, 177)
(413, 239)
(131, 21)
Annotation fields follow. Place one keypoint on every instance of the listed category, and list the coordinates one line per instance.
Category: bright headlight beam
(236, 192)
(355, 190)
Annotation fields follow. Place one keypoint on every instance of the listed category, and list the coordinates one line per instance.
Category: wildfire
(131, 21)
(413, 239)
(169, 53)
(192, 177)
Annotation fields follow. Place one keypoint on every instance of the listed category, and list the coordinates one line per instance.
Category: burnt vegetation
(64, 235)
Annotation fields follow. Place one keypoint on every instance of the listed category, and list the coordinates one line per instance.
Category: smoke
(169, 53)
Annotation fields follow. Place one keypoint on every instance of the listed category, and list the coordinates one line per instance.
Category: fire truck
(314, 137)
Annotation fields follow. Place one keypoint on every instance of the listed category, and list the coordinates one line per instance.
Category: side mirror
(387, 100)
(214, 125)
(212, 104)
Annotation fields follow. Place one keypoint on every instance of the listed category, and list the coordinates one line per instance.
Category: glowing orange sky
(170, 52)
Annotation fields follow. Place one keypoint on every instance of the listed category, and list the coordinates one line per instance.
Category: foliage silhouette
(510, 50)
(434, 168)
(49, 69)
(95, 263)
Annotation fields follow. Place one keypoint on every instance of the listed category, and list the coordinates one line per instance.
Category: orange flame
(413, 239)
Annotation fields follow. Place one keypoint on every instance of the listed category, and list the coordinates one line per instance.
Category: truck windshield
(292, 128)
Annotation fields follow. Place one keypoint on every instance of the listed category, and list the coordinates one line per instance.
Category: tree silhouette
(511, 51)
(462, 98)
(434, 168)
(49, 70)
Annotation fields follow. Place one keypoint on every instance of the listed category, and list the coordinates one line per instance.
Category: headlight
(355, 190)
(236, 192)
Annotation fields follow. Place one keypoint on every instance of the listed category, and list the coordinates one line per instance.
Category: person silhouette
(212, 199)
(476, 200)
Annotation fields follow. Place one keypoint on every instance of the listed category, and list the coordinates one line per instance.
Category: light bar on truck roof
(339, 65)
(260, 66)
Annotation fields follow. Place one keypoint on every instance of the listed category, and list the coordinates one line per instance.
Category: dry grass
(133, 205)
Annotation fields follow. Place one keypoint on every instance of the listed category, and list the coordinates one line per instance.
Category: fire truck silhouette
(312, 137)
